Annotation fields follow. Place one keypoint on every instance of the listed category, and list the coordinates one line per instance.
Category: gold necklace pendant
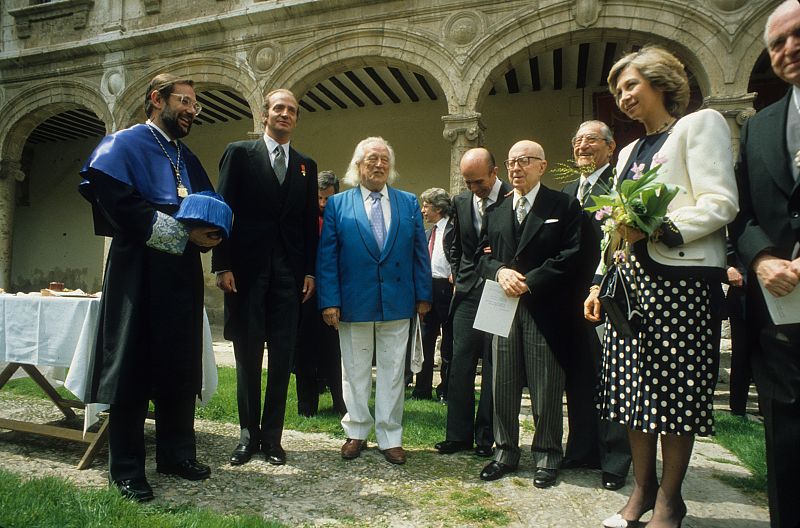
(183, 192)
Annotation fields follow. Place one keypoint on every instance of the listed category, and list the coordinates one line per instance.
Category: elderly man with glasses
(530, 242)
(592, 443)
(374, 275)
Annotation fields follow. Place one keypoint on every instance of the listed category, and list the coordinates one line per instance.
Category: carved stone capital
(463, 126)
(11, 170)
(738, 108)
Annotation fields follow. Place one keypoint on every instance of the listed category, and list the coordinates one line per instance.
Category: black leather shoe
(484, 451)
(544, 477)
(496, 470)
(189, 469)
(242, 454)
(612, 482)
(274, 454)
(451, 446)
(135, 489)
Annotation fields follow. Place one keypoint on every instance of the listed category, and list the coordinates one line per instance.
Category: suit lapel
(542, 206)
(773, 145)
(364, 227)
(263, 168)
(391, 235)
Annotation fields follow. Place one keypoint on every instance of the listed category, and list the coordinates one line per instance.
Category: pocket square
(551, 221)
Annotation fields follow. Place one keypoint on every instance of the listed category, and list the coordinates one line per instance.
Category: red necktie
(432, 241)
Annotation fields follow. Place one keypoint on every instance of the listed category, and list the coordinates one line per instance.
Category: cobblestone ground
(318, 488)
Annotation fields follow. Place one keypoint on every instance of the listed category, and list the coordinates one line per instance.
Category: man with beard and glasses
(149, 341)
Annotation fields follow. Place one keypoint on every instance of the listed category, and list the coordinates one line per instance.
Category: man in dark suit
(266, 268)
(436, 207)
(530, 245)
(484, 192)
(767, 238)
(592, 442)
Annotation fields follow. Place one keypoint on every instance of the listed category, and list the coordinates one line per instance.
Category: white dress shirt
(440, 267)
(531, 196)
(271, 144)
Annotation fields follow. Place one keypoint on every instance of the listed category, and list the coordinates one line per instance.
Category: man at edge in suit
(374, 276)
(592, 443)
(767, 238)
(266, 268)
(530, 243)
(484, 192)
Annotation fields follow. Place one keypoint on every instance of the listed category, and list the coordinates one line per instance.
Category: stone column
(10, 174)
(463, 131)
(736, 109)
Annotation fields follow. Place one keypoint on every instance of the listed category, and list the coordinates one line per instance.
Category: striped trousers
(524, 357)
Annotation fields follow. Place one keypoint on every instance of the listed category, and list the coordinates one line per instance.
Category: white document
(783, 310)
(496, 310)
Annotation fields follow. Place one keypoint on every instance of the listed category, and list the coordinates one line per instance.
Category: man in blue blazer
(373, 276)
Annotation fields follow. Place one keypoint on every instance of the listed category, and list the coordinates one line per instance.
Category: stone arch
(749, 46)
(547, 29)
(38, 102)
(208, 71)
(306, 66)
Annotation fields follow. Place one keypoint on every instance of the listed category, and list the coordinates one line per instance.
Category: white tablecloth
(58, 335)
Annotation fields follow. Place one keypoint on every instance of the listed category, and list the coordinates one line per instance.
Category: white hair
(352, 176)
(778, 10)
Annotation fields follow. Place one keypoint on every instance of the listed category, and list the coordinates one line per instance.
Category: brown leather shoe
(353, 448)
(394, 455)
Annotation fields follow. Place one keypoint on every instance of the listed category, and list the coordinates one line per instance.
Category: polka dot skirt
(663, 380)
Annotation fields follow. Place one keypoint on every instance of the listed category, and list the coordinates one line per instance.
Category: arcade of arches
(433, 78)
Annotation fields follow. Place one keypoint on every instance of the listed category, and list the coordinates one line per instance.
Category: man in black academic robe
(149, 342)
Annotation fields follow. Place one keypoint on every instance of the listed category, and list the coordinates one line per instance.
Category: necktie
(583, 193)
(376, 219)
(522, 209)
(432, 241)
(482, 207)
(279, 165)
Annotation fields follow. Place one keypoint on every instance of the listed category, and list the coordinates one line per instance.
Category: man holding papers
(767, 234)
(529, 246)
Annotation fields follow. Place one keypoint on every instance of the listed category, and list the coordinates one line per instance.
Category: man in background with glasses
(530, 243)
(266, 268)
(149, 340)
(592, 443)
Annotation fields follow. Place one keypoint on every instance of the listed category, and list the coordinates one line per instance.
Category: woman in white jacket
(660, 382)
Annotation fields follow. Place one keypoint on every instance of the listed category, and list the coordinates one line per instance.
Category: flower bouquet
(641, 203)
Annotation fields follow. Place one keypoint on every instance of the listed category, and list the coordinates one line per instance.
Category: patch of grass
(423, 422)
(48, 502)
(745, 439)
(476, 505)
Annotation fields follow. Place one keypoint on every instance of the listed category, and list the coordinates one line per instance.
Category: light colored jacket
(699, 159)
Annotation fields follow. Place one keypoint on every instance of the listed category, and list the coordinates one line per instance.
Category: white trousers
(358, 341)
